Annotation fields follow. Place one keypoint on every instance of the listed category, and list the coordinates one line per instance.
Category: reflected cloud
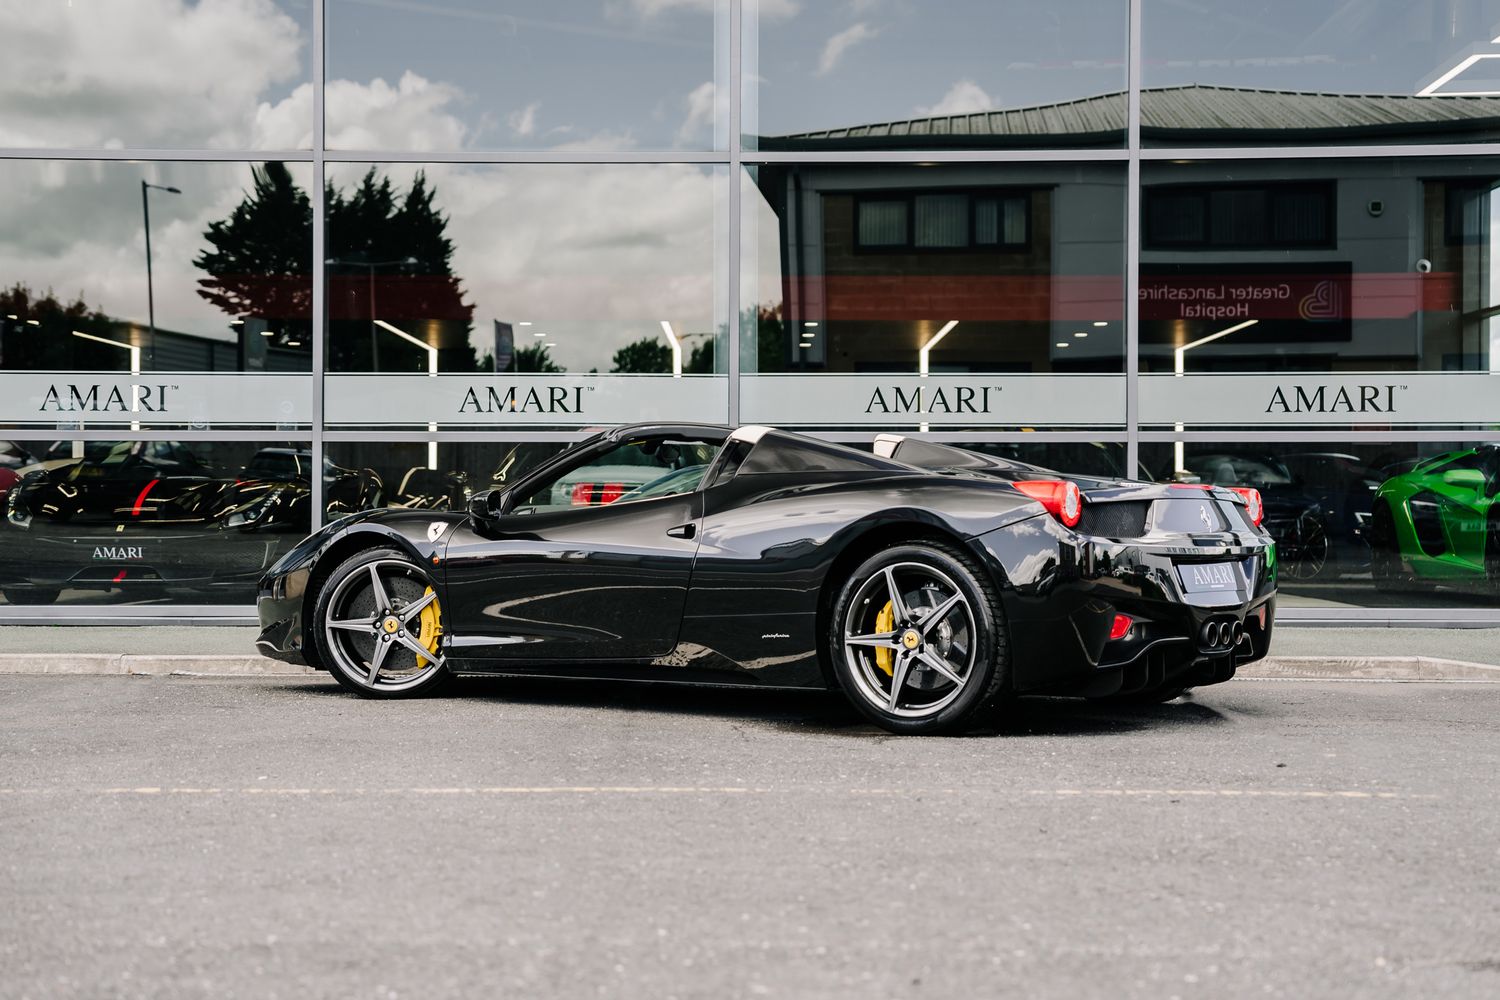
(834, 49)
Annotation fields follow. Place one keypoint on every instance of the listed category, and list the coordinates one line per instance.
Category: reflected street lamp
(1179, 368)
(432, 370)
(147, 187)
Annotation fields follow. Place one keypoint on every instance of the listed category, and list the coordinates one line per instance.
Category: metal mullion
(1339, 434)
(989, 156)
(1318, 152)
(979, 437)
(131, 614)
(319, 275)
(520, 156)
(125, 434)
(375, 435)
(736, 169)
(1133, 243)
(1394, 615)
(128, 155)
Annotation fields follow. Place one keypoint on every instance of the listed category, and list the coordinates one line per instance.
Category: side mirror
(1472, 479)
(487, 505)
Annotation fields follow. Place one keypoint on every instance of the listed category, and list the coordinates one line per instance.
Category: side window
(641, 469)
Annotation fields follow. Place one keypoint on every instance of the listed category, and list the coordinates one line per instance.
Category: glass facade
(266, 262)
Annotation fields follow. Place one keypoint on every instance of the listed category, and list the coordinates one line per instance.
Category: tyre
(1389, 575)
(1306, 559)
(1492, 551)
(31, 596)
(917, 640)
(379, 624)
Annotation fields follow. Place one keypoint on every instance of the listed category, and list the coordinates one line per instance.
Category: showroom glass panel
(985, 296)
(528, 295)
(154, 522)
(568, 74)
(1323, 72)
(1365, 523)
(156, 74)
(954, 74)
(1320, 293)
(436, 475)
(213, 330)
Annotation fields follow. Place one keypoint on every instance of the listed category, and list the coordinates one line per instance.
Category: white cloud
(842, 42)
(523, 122)
(701, 104)
(963, 98)
(163, 73)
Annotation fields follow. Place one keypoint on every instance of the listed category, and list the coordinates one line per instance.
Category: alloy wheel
(382, 627)
(910, 638)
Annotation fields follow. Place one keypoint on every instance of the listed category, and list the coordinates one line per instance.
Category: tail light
(611, 492)
(1252, 503)
(1120, 627)
(1061, 497)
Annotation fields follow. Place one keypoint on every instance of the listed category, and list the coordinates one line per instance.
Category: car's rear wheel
(31, 596)
(917, 640)
(1389, 575)
(379, 626)
(1492, 551)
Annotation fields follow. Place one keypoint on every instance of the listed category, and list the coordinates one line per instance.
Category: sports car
(1440, 524)
(925, 582)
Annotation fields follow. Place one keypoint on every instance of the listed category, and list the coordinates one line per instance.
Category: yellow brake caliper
(429, 629)
(885, 622)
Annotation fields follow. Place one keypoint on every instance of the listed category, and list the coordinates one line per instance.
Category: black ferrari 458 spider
(926, 582)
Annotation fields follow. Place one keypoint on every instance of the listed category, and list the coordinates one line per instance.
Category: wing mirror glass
(489, 504)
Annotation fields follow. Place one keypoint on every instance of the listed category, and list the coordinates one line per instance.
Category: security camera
(1376, 208)
(1424, 265)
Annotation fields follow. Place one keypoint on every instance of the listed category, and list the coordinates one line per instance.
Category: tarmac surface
(228, 837)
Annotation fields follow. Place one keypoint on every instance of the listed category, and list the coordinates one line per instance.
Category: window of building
(949, 220)
(1240, 217)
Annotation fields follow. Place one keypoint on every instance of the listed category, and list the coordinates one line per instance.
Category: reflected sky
(824, 65)
(1333, 46)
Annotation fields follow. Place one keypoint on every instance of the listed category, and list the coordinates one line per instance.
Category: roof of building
(1196, 112)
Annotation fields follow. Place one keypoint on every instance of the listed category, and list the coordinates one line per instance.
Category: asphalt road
(174, 837)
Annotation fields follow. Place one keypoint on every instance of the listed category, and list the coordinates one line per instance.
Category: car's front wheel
(379, 626)
(917, 640)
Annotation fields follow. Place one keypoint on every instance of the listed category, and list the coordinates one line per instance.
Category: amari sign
(500, 401)
(155, 399)
(1292, 399)
(935, 401)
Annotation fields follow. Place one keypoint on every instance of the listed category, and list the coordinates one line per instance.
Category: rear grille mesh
(1117, 519)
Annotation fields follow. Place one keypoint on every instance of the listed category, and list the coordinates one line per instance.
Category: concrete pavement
(179, 837)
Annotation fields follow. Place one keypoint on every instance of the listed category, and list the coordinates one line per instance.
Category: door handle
(688, 530)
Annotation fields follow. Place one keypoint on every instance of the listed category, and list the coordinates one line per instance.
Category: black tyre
(1389, 575)
(1492, 551)
(378, 625)
(31, 596)
(917, 640)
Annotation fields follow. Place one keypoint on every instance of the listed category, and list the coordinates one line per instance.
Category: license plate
(1208, 578)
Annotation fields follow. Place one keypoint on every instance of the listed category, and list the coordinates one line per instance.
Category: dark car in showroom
(926, 582)
(151, 518)
(1317, 505)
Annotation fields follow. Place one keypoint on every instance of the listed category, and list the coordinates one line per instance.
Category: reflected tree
(647, 356)
(534, 358)
(36, 333)
(390, 268)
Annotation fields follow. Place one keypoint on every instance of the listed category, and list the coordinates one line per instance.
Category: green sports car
(1439, 524)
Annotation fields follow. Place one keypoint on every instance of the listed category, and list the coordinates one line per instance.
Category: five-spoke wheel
(917, 641)
(379, 625)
